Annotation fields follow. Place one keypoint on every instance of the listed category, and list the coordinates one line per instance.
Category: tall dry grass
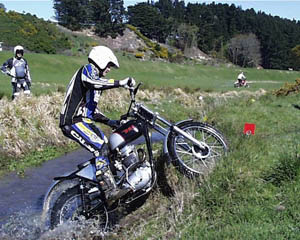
(29, 123)
(32, 123)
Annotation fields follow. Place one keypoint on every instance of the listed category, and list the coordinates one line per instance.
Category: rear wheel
(69, 207)
(188, 157)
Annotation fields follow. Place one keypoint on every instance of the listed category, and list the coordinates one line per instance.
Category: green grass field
(53, 72)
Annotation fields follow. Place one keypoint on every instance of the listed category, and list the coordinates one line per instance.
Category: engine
(132, 165)
(129, 156)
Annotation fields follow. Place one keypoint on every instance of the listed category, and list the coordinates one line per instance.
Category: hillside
(31, 32)
(39, 36)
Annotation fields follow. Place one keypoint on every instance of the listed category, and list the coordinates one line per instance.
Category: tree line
(245, 37)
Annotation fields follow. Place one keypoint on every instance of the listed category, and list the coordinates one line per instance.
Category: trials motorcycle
(192, 147)
(243, 83)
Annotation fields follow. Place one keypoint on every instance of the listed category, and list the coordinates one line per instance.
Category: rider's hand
(113, 123)
(127, 82)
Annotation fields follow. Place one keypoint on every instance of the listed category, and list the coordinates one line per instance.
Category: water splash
(29, 225)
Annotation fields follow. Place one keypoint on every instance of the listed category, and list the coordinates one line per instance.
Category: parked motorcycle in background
(193, 147)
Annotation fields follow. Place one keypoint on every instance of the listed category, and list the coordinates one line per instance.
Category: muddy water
(21, 199)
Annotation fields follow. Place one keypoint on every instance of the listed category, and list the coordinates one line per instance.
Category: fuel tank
(125, 134)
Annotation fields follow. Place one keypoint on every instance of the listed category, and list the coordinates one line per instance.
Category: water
(21, 201)
(21, 198)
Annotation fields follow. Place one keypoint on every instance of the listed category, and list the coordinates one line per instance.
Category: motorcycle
(242, 83)
(192, 147)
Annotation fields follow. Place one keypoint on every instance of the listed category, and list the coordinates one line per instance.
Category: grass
(53, 73)
(253, 193)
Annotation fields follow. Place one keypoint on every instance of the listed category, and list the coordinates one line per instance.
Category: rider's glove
(127, 82)
(113, 123)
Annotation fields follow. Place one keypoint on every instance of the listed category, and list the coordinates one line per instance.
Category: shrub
(139, 55)
(288, 88)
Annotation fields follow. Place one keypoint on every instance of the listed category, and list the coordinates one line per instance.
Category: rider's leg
(26, 89)
(16, 88)
(93, 139)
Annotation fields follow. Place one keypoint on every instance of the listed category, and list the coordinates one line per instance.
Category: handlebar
(132, 92)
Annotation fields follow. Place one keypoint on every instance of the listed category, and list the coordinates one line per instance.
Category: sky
(283, 8)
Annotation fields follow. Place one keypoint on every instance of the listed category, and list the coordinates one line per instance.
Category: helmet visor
(20, 51)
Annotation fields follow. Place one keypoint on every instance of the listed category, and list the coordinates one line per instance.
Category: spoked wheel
(69, 207)
(192, 160)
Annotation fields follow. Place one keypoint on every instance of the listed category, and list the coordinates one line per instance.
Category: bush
(288, 88)
(139, 55)
(156, 48)
(33, 33)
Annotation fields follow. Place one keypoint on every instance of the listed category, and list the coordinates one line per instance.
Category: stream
(21, 198)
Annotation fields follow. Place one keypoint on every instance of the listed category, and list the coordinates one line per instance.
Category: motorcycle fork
(189, 137)
(149, 146)
(148, 141)
(176, 129)
(82, 187)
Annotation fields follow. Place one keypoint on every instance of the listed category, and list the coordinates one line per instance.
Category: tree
(179, 10)
(166, 8)
(105, 15)
(296, 57)
(117, 12)
(71, 13)
(2, 7)
(186, 36)
(244, 50)
(101, 17)
(149, 20)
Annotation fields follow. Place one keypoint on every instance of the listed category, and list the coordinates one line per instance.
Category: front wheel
(69, 207)
(188, 157)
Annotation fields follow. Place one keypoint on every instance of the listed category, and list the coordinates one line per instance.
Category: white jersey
(241, 76)
(17, 69)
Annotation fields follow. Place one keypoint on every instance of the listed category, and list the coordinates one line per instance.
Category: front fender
(178, 124)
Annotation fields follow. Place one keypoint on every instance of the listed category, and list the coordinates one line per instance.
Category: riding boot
(107, 181)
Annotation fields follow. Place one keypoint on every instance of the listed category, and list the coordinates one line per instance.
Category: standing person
(79, 111)
(17, 68)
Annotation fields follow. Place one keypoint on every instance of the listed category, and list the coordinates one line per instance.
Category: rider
(241, 79)
(17, 68)
(79, 111)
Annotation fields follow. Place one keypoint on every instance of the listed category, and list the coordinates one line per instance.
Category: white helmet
(18, 48)
(101, 56)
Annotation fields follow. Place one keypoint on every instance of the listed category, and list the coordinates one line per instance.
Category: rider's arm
(100, 117)
(92, 81)
(7, 66)
(28, 77)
